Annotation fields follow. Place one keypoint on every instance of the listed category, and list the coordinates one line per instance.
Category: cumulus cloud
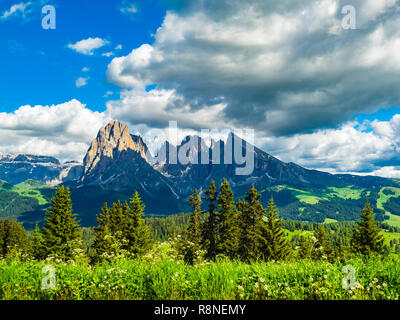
(63, 130)
(87, 46)
(128, 8)
(281, 67)
(81, 82)
(369, 147)
(16, 9)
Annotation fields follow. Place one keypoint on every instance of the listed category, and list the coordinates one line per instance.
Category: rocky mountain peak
(114, 137)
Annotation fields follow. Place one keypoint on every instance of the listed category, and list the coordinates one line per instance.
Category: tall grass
(165, 279)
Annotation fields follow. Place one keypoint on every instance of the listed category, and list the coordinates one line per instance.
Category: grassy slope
(156, 278)
(394, 220)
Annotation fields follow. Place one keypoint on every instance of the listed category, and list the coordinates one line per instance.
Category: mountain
(118, 163)
(18, 168)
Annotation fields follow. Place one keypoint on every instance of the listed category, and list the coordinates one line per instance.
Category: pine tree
(274, 244)
(228, 239)
(102, 235)
(193, 234)
(137, 233)
(367, 239)
(37, 248)
(61, 234)
(323, 246)
(251, 213)
(341, 249)
(305, 248)
(210, 227)
(13, 237)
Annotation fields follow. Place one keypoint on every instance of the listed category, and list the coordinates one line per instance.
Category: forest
(240, 245)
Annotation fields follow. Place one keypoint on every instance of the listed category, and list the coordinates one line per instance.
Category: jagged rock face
(111, 139)
(18, 168)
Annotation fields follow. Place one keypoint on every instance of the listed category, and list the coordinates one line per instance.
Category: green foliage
(228, 239)
(323, 247)
(275, 246)
(210, 229)
(306, 248)
(366, 237)
(157, 278)
(61, 235)
(193, 234)
(121, 231)
(13, 237)
(251, 213)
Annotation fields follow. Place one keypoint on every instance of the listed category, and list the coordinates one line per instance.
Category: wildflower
(262, 280)
(256, 285)
(327, 270)
(265, 287)
(279, 284)
(384, 285)
(231, 281)
(241, 295)
(325, 276)
(240, 288)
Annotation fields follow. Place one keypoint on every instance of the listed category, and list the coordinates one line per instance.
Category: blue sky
(315, 92)
(39, 63)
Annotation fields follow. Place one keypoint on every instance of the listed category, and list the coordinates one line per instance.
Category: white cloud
(63, 130)
(128, 7)
(81, 82)
(277, 65)
(371, 147)
(87, 46)
(118, 47)
(15, 10)
(108, 54)
(85, 69)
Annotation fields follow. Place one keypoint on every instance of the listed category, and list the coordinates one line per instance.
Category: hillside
(118, 163)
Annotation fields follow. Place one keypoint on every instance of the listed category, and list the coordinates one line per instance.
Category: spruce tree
(251, 213)
(367, 239)
(36, 241)
(228, 239)
(13, 237)
(102, 235)
(61, 235)
(341, 249)
(193, 234)
(306, 248)
(323, 246)
(137, 233)
(210, 227)
(274, 244)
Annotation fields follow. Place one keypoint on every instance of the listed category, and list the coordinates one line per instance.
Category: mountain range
(117, 163)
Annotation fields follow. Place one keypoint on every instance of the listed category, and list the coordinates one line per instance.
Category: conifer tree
(137, 233)
(367, 239)
(210, 227)
(341, 249)
(61, 234)
(305, 248)
(102, 235)
(274, 244)
(37, 249)
(13, 236)
(193, 234)
(251, 213)
(228, 239)
(323, 246)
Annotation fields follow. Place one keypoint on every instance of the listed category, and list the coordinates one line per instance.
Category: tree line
(242, 230)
